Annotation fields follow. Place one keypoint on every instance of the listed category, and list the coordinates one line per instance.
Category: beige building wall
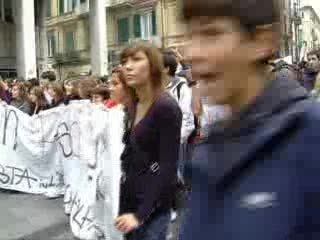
(59, 25)
(310, 28)
(170, 30)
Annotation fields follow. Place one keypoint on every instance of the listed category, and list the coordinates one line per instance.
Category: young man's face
(222, 58)
(314, 62)
(97, 99)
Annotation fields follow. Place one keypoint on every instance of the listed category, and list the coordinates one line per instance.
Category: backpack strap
(180, 84)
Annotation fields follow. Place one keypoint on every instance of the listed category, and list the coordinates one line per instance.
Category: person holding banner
(152, 141)
(119, 91)
(20, 98)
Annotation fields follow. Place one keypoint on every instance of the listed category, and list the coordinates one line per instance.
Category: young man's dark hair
(170, 62)
(315, 53)
(50, 75)
(312, 70)
(257, 174)
(102, 91)
(35, 82)
(104, 79)
(250, 13)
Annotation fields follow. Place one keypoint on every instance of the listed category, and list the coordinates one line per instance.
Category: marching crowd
(166, 117)
(155, 87)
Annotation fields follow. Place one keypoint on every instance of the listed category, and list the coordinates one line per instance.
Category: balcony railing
(7, 62)
(131, 3)
(75, 56)
(78, 12)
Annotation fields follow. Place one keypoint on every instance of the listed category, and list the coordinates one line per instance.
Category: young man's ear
(265, 42)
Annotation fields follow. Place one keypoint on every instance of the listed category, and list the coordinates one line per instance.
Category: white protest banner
(78, 145)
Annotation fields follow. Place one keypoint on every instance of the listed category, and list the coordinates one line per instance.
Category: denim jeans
(156, 228)
(185, 156)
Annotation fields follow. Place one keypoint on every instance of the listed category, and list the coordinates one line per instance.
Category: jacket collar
(235, 145)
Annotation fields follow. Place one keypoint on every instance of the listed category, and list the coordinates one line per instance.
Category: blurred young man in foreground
(257, 177)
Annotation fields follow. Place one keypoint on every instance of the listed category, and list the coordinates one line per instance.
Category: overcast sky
(314, 3)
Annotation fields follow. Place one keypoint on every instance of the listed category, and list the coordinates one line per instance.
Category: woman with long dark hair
(38, 100)
(55, 90)
(152, 140)
(120, 93)
(20, 98)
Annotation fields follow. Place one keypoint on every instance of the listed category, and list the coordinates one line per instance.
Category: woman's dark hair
(156, 71)
(170, 62)
(132, 96)
(28, 85)
(23, 93)
(129, 106)
(57, 88)
(38, 92)
(74, 83)
(85, 87)
(155, 59)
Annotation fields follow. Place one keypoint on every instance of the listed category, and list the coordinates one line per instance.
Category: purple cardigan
(5, 95)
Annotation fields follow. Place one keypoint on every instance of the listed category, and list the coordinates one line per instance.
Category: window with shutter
(49, 8)
(69, 41)
(51, 44)
(8, 11)
(1, 11)
(154, 23)
(123, 30)
(61, 7)
(74, 4)
(137, 25)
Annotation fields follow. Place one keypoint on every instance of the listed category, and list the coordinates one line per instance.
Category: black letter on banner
(3, 174)
(65, 133)
(6, 121)
(25, 175)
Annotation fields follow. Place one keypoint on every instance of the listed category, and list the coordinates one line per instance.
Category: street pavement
(32, 217)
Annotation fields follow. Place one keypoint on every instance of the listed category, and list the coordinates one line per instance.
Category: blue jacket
(258, 176)
(309, 79)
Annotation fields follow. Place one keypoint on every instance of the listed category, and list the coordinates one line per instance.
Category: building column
(43, 36)
(2, 9)
(26, 44)
(98, 37)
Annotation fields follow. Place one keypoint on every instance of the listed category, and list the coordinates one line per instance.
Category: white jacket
(185, 103)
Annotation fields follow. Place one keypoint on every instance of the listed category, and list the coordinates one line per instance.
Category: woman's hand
(4, 85)
(126, 223)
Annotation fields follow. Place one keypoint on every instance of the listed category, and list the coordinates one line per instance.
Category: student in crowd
(311, 70)
(100, 94)
(257, 174)
(119, 90)
(179, 90)
(5, 94)
(85, 87)
(152, 141)
(44, 84)
(20, 98)
(55, 90)
(28, 85)
(71, 90)
(38, 100)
